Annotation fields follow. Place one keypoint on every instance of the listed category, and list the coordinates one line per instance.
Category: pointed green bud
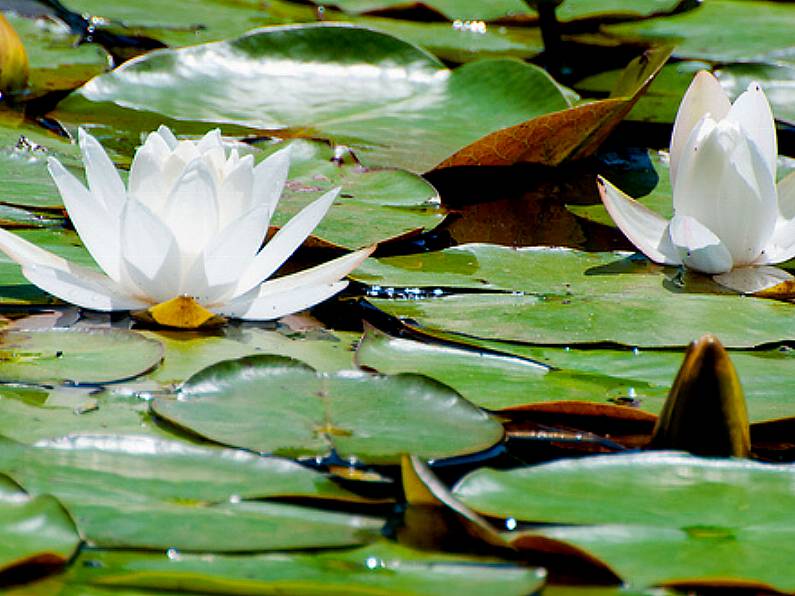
(705, 412)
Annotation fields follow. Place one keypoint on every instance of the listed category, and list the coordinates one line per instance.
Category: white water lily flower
(729, 213)
(190, 223)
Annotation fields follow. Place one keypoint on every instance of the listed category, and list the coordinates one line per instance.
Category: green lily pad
(31, 414)
(766, 375)
(187, 353)
(229, 527)
(719, 30)
(459, 44)
(394, 103)
(139, 468)
(655, 518)
(75, 356)
(490, 10)
(566, 297)
(181, 22)
(279, 405)
(372, 570)
(496, 382)
(33, 530)
(392, 202)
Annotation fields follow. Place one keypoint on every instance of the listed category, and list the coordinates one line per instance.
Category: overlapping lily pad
(393, 202)
(279, 405)
(33, 530)
(188, 353)
(569, 297)
(498, 381)
(370, 571)
(655, 518)
(75, 356)
(138, 468)
(30, 414)
(719, 30)
(396, 104)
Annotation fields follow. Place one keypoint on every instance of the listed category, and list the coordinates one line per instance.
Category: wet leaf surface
(423, 115)
(691, 516)
(280, 405)
(33, 530)
(373, 569)
(75, 356)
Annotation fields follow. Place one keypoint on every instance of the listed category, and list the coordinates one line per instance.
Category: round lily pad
(279, 405)
(76, 356)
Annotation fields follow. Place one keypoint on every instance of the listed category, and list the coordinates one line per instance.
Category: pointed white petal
(786, 196)
(323, 274)
(698, 247)
(647, 230)
(284, 243)
(725, 184)
(98, 230)
(749, 280)
(278, 304)
(191, 209)
(211, 140)
(23, 252)
(150, 254)
(752, 111)
(82, 287)
(168, 136)
(704, 96)
(103, 178)
(146, 182)
(229, 254)
(270, 176)
(235, 195)
(781, 246)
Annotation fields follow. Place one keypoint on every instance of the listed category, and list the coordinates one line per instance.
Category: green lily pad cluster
(470, 416)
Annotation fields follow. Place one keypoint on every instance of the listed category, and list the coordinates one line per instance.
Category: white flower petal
(23, 252)
(270, 176)
(191, 209)
(699, 248)
(781, 246)
(98, 230)
(284, 243)
(704, 96)
(278, 304)
(150, 253)
(168, 136)
(752, 111)
(647, 230)
(211, 140)
(82, 287)
(230, 253)
(103, 178)
(235, 195)
(749, 280)
(724, 183)
(146, 182)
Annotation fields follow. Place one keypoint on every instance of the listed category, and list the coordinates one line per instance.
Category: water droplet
(635, 351)
(234, 499)
(510, 523)
(371, 563)
(173, 554)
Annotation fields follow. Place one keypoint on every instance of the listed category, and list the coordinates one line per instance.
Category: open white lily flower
(190, 223)
(729, 214)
